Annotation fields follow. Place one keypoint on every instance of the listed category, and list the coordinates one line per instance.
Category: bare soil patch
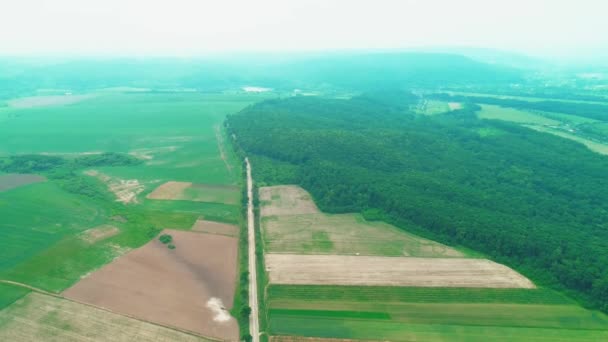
(212, 227)
(38, 317)
(99, 233)
(125, 190)
(391, 271)
(455, 105)
(185, 191)
(46, 101)
(190, 287)
(286, 200)
(169, 191)
(12, 181)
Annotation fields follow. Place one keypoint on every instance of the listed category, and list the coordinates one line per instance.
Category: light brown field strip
(286, 200)
(212, 227)
(190, 287)
(391, 271)
(38, 317)
(11, 181)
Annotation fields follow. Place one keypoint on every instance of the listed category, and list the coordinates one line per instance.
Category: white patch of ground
(256, 89)
(455, 105)
(99, 233)
(46, 101)
(220, 314)
(391, 271)
(126, 191)
(149, 153)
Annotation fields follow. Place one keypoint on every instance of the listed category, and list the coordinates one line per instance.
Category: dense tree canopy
(534, 201)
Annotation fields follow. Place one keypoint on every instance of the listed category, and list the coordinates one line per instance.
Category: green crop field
(9, 294)
(404, 314)
(514, 115)
(177, 137)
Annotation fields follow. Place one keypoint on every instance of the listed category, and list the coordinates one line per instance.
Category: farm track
(38, 290)
(254, 324)
(220, 146)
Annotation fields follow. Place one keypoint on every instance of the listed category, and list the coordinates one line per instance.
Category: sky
(199, 27)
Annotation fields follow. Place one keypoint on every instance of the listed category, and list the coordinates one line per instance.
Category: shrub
(165, 238)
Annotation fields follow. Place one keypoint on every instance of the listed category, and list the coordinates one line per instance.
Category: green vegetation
(373, 294)
(130, 137)
(533, 201)
(165, 238)
(414, 313)
(398, 331)
(10, 293)
(514, 115)
(346, 234)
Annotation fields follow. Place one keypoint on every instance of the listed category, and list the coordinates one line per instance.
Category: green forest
(536, 202)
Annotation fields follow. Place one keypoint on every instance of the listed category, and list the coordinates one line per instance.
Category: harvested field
(100, 233)
(46, 101)
(169, 191)
(346, 234)
(391, 271)
(11, 181)
(286, 200)
(212, 227)
(190, 287)
(38, 317)
(185, 191)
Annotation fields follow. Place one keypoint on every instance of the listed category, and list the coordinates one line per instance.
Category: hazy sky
(190, 27)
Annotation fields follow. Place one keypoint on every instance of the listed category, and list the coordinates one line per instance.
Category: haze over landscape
(303, 171)
(546, 28)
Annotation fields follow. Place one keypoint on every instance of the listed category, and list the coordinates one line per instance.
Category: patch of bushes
(165, 238)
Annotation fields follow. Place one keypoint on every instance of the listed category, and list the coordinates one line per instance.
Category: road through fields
(254, 326)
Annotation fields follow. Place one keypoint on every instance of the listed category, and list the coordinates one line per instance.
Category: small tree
(165, 238)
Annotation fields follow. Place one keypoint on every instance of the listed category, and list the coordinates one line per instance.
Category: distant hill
(356, 71)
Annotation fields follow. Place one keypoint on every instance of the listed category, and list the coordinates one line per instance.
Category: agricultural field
(514, 115)
(212, 227)
(186, 191)
(11, 181)
(74, 215)
(292, 223)
(39, 317)
(341, 278)
(433, 314)
(391, 271)
(193, 277)
(571, 127)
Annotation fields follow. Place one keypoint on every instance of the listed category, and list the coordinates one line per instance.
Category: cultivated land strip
(254, 324)
(85, 304)
(391, 271)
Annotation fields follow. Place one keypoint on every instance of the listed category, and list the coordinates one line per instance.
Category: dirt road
(254, 325)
